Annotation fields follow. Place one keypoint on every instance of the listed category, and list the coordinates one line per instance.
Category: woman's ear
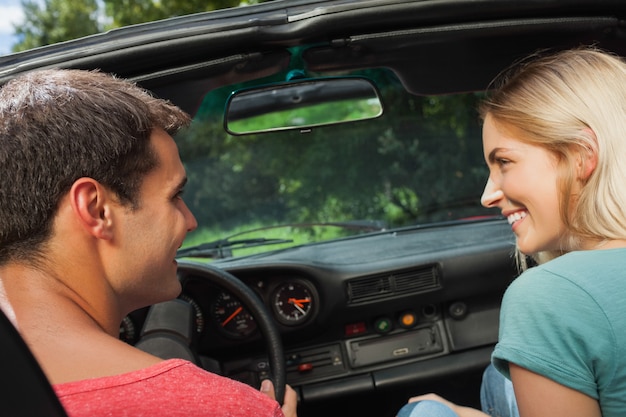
(91, 204)
(588, 156)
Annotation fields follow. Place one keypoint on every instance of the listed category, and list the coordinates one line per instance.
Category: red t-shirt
(171, 388)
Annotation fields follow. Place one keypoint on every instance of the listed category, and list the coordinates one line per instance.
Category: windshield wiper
(222, 248)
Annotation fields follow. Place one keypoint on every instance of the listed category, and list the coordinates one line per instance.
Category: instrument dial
(197, 313)
(231, 317)
(293, 302)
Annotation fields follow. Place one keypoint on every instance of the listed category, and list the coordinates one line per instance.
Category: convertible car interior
(373, 273)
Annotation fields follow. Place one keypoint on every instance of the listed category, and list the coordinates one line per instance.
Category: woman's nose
(492, 195)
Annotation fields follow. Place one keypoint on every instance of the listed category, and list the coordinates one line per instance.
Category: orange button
(408, 320)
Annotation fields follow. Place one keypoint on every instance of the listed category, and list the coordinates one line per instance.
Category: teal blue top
(566, 320)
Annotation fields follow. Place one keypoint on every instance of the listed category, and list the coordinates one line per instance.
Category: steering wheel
(167, 334)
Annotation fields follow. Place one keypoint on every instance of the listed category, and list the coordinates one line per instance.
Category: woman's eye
(502, 161)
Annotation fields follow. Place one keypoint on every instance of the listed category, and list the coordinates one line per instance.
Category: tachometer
(293, 302)
(231, 317)
(197, 312)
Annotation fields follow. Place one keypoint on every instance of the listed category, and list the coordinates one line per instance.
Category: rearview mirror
(302, 105)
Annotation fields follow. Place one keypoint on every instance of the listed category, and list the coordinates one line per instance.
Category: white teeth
(518, 215)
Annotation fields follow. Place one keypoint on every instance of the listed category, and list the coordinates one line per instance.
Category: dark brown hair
(60, 125)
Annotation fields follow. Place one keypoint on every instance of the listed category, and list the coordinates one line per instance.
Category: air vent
(413, 281)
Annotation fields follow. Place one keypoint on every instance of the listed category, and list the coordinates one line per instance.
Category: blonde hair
(573, 103)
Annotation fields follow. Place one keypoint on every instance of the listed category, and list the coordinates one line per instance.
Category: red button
(305, 367)
(355, 328)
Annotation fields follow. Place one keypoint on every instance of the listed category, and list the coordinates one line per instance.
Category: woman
(554, 138)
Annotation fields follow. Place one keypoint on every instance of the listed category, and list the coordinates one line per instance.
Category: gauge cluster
(292, 300)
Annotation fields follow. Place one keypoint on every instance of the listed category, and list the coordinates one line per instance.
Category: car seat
(24, 389)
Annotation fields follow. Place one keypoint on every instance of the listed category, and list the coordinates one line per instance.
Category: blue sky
(10, 12)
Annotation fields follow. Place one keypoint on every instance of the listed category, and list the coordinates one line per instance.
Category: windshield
(420, 162)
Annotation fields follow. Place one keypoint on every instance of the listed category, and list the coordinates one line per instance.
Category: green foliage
(298, 234)
(55, 21)
(129, 12)
(418, 163)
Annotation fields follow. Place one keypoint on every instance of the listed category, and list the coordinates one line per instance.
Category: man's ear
(92, 205)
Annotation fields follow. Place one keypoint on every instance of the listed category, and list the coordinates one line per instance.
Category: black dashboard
(374, 311)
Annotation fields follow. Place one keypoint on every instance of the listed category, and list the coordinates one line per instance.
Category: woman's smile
(516, 217)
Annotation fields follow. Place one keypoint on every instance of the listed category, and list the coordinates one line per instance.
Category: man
(91, 216)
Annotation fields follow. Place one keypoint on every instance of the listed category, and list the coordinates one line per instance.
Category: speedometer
(293, 302)
(231, 317)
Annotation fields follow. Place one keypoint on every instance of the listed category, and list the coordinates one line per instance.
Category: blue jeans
(496, 395)
(426, 408)
(496, 398)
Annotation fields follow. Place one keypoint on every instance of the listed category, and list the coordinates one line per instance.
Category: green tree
(129, 12)
(55, 21)
(420, 162)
